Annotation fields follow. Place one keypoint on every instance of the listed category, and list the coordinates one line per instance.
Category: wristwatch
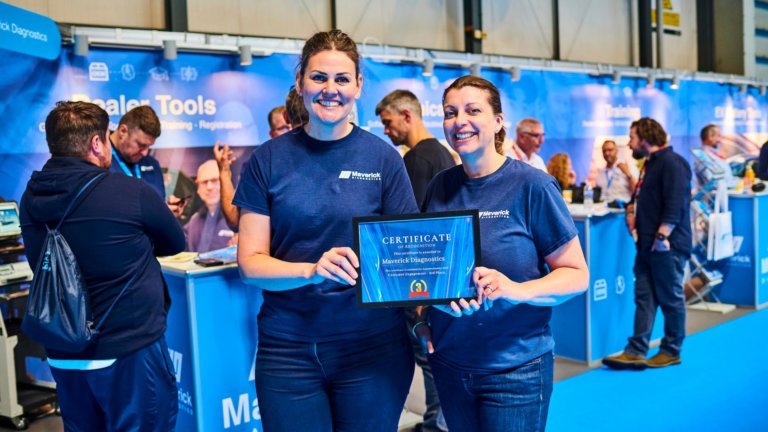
(661, 237)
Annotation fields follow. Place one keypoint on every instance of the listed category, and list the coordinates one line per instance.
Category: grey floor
(696, 322)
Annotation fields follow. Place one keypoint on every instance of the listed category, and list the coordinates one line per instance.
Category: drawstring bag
(58, 315)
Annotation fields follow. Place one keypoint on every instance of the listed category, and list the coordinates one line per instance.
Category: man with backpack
(115, 225)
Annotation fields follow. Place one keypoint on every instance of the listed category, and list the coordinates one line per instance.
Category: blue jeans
(136, 393)
(350, 385)
(515, 400)
(659, 283)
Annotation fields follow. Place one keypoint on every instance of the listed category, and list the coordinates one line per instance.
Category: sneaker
(626, 361)
(661, 360)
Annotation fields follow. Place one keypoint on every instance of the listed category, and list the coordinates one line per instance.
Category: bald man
(207, 230)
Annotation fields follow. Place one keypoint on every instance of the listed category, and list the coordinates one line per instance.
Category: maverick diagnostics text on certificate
(417, 259)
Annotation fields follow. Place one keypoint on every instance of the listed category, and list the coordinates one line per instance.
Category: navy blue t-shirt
(311, 189)
(523, 218)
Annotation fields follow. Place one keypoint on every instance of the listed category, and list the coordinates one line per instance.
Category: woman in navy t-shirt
(323, 364)
(492, 357)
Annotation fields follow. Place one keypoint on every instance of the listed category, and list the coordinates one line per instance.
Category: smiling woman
(532, 260)
(342, 368)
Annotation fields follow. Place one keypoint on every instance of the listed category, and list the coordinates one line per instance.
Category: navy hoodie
(115, 231)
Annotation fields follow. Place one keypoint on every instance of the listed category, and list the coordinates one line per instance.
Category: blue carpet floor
(722, 385)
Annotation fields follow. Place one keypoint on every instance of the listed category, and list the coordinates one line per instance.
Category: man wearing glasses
(207, 230)
(530, 137)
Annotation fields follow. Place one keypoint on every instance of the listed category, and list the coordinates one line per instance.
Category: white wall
(110, 13)
(595, 31)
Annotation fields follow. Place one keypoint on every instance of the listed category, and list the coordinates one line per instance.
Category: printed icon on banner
(188, 73)
(345, 174)
(764, 266)
(159, 74)
(98, 71)
(434, 82)
(176, 358)
(600, 290)
(128, 72)
(737, 242)
(620, 286)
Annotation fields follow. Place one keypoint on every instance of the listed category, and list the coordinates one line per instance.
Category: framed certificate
(419, 259)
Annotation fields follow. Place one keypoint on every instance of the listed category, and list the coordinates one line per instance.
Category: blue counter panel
(212, 329)
(745, 275)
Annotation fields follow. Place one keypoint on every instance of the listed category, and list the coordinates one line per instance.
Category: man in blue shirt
(138, 130)
(660, 215)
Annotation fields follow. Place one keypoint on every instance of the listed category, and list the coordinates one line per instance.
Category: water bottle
(589, 195)
(749, 177)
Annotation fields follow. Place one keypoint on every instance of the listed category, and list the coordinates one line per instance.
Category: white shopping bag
(720, 232)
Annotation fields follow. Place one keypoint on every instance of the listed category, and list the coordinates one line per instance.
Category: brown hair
(559, 166)
(70, 126)
(295, 110)
(144, 118)
(650, 131)
(493, 99)
(278, 110)
(334, 40)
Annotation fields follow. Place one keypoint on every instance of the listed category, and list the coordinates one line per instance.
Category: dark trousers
(659, 283)
(515, 400)
(432, 400)
(351, 385)
(136, 393)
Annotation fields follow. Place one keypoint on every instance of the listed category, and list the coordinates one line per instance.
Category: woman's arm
(568, 278)
(258, 268)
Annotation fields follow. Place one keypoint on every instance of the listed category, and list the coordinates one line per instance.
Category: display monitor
(10, 226)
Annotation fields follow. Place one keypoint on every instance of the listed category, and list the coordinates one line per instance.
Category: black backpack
(58, 315)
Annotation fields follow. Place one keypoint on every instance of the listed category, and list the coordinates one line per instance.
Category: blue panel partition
(212, 336)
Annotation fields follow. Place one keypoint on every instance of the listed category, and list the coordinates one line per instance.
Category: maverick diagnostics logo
(357, 175)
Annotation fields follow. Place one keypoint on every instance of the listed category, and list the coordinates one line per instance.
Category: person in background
(660, 215)
(559, 167)
(137, 131)
(277, 122)
(530, 137)
(124, 379)
(207, 230)
(323, 363)
(400, 113)
(710, 143)
(492, 358)
(618, 179)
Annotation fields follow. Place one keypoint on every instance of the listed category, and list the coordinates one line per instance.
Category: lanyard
(639, 183)
(124, 167)
(517, 153)
(609, 178)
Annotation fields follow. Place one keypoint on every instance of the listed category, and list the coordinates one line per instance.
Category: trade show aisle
(720, 386)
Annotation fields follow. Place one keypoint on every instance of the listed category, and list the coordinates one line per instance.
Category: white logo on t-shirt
(494, 214)
(357, 175)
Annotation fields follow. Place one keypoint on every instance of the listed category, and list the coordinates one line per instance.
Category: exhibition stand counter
(212, 331)
(745, 275)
